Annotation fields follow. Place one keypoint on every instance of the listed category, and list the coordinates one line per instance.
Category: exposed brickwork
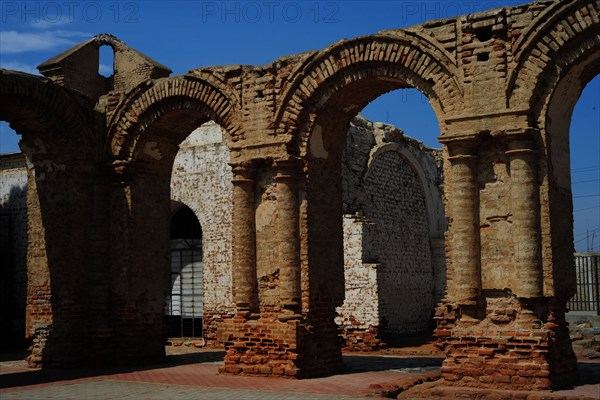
(286, 122)
(392, 212)
(264, 347)
(509, 348)
(212, 323)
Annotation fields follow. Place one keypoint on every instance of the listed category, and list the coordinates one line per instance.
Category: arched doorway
(304, 187)
(184, 304)
(393, 225)
(585, 178)
(146, 152)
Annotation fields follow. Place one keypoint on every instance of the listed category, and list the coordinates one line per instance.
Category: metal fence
(587, 298)
(184, 305)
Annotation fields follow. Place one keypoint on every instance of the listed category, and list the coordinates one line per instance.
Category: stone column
(288, 173)
(245, 285)
(464, 204)
(525, 204)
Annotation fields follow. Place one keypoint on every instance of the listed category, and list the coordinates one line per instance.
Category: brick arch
(364, 68)
(554, 60)
(557, 40)
(197, 98)
(177, 205)
(36, 107)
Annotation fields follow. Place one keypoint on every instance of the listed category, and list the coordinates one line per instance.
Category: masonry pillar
(39, 312)
(496, 327)
(284, 340)
(288, 173)
(245, 286)
(524, 197)
(464, 203)
(139, 268)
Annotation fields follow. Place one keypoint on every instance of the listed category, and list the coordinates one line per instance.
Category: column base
(269, 347)
(506, 349)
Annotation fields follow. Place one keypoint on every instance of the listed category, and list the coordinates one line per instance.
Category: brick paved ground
(194, 376)
(122, 390)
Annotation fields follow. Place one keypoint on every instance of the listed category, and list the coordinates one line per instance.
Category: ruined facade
(503, 85)
(393, 236)
(392, 280)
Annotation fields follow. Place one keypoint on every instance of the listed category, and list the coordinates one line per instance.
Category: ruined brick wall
(502, 84)
(388, 258)
(400, 243)
(359, 316)
(13, 248)
(389, 227)
(386, 239)
(201, 179)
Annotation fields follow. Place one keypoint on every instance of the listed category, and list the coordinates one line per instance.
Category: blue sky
(189, 34)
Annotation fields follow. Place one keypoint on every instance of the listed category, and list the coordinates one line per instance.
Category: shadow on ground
(356, 364)
(39, 376)
(589, 372)
(13, 356)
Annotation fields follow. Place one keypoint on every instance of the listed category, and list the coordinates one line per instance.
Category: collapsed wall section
(393, 214)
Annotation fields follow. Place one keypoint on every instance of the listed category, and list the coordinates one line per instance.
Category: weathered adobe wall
(388, 230)
(13, 248)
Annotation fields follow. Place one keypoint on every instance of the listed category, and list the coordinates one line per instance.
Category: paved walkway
(194, 376)
(122, 390)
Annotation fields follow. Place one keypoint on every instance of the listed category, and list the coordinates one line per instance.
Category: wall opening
(585, 187)
(106, 64)
(585, 168)
(201, 179)
(408, 109)
(393, 223)
(184, 304)
(9, 139)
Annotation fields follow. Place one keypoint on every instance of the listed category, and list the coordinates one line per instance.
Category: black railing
(587, 270)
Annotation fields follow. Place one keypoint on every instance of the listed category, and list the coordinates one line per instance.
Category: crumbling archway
(143, 143)
(524, 270)
(305, 187)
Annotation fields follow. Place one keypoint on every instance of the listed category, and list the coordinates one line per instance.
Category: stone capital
(461, 147)
(244, 172)
(289, 169)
